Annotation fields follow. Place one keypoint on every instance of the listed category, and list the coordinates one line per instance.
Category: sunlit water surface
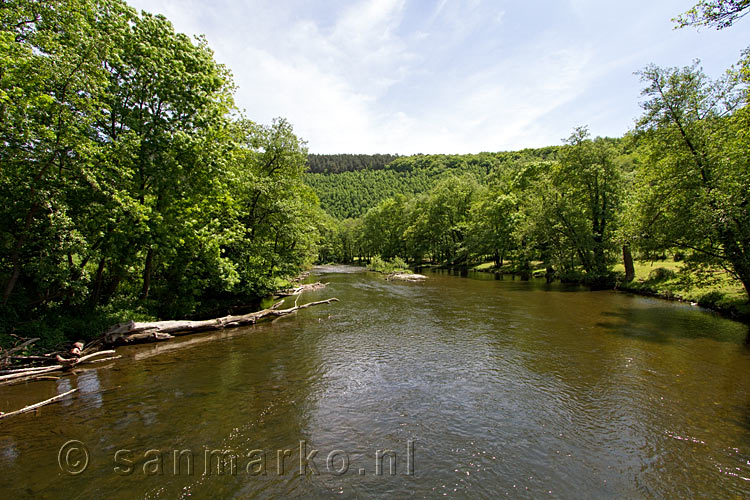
(479, 388)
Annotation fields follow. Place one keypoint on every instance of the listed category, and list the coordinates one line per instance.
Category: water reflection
(89, 388)
(507, 388)
(64, 385)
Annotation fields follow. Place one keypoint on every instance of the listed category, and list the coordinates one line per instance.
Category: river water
(458, 386)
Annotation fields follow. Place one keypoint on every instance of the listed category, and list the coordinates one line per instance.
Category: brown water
(486, 387)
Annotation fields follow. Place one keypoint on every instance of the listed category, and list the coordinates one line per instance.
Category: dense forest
(335, 164)
(352, 192)
(130, 185)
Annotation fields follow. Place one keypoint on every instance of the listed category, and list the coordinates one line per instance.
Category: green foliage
(718, 14)
(352, 192)
(693, 190)
(394, 265)
(568, 217)
(336, 164)
(127, 188)
(661, 274)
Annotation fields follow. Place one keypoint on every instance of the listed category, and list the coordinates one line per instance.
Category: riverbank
(665, 280)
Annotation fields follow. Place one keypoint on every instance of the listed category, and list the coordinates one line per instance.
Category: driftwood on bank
(302, 288)
(7, 356)
(21, 374)
(133, 332)
(37, 405)
(17, 368)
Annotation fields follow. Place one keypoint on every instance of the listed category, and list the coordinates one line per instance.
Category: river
(457, 387)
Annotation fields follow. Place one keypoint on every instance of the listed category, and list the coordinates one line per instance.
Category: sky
(446, 76)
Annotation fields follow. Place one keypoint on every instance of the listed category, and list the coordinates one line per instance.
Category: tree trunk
(147, 273)
(130, 332)
(97, 291)
(627, 259)
(745, 279)
(599, 263)
(15, 256)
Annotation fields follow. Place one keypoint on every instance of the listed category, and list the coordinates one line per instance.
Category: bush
(660, 274)
(711, 299)
(572, 276)
(394, 265)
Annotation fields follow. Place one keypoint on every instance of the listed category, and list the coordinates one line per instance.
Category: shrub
(660, 274)
(711, 299)
(394, 265)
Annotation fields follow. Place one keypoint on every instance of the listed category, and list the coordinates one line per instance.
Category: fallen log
(133, 332)
(24, 374)
(30, 373)
(299, 289)
(84, 359)
(37, 405)
(22, 370)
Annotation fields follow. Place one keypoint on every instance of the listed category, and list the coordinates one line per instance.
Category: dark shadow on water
(742, 419)
(662, 324)
(531, 285)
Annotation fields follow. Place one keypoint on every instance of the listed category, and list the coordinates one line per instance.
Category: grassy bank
(665, 279)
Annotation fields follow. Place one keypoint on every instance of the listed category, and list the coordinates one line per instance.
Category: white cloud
(460, 76)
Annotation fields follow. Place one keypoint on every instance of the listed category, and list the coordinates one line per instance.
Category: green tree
(127, 186)
(694, 188)
(440, 220)
(718, 14)
(51, 83)
(167, 99)
(492, 222)
(570, 210)
(275, 216)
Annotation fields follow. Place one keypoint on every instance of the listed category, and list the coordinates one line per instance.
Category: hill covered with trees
(335, 164)
(351, 193)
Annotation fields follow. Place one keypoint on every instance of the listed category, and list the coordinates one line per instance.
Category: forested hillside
(352, 192)
(335, 164)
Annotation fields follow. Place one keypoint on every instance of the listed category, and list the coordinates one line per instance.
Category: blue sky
(446, 76)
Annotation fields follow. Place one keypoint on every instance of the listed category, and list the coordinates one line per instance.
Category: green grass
(667, 279)
(643, 269)
(508, 266)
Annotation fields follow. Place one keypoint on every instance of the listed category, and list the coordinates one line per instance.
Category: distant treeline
(335, 164)
(351, 193)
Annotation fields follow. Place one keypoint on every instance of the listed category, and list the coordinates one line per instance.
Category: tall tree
(695, 185)
(51, 83)
(571, 208)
